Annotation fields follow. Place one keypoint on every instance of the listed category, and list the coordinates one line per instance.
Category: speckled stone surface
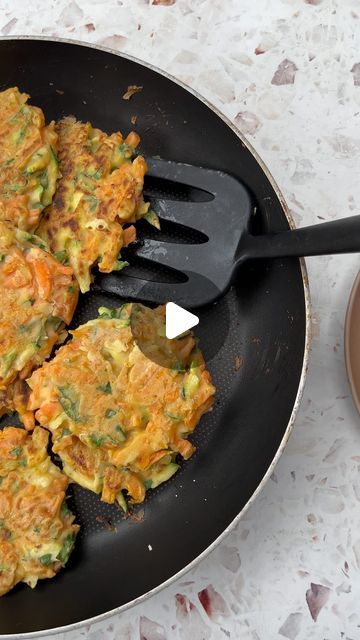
(287, 72)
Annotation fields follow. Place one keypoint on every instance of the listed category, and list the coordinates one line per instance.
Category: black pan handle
(338, 236)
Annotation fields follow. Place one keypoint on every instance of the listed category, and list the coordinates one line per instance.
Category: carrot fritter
(100, 190)
(38, 295)
(37, 533)
(28, 164)
(118, 418)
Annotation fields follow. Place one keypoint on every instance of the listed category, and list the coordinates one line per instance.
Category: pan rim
(307, 343)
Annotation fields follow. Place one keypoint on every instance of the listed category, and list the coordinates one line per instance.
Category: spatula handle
(338, 236)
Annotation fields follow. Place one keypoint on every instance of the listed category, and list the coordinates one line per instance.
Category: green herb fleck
(94, 174)
(44, 179)
(110, 413)
(94, 144)
(93, 203)
(66, 549)
(64, 511)
(121, 313)
(61, 256)
(20, 135)
(24, 110)
(23, 328)
(46, 559)
(53, 156)
(122, 502)
(17, 451)
(28, 303)
(120, 264)
(96, 440)
(105, 312)
(147, 484)
(9, 358)
(69, 401)
(125, 150)
(152, 219)
(104, 388)
(173, 416)
(122, 435)
(179, 367)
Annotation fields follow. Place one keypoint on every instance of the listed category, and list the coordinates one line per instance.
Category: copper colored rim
(352, 341)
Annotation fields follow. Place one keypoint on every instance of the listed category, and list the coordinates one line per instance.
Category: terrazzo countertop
(287, 73)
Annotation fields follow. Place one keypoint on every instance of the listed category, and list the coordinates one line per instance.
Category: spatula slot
(150, 270)
(167, 189)
(171, 232)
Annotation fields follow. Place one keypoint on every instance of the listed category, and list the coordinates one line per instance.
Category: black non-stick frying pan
(255, 341)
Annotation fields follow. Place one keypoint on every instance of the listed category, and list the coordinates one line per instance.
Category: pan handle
(337, 236)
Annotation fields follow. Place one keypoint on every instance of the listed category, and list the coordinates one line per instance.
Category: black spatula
(215, 209)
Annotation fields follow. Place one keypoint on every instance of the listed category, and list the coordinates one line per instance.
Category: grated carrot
(129, 235)
(43, 278)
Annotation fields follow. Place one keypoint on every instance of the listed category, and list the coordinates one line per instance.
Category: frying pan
(261, 324)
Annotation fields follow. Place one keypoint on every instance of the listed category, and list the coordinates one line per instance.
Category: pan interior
(253, 340)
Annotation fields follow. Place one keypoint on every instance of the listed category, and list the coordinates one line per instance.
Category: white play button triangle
(178, 320)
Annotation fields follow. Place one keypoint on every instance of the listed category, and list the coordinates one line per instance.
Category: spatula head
(191, 260)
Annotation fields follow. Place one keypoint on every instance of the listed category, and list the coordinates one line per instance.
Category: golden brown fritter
(28, 164)
(38, 295)
(37, 533)
(118, 419)
(100, 190)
